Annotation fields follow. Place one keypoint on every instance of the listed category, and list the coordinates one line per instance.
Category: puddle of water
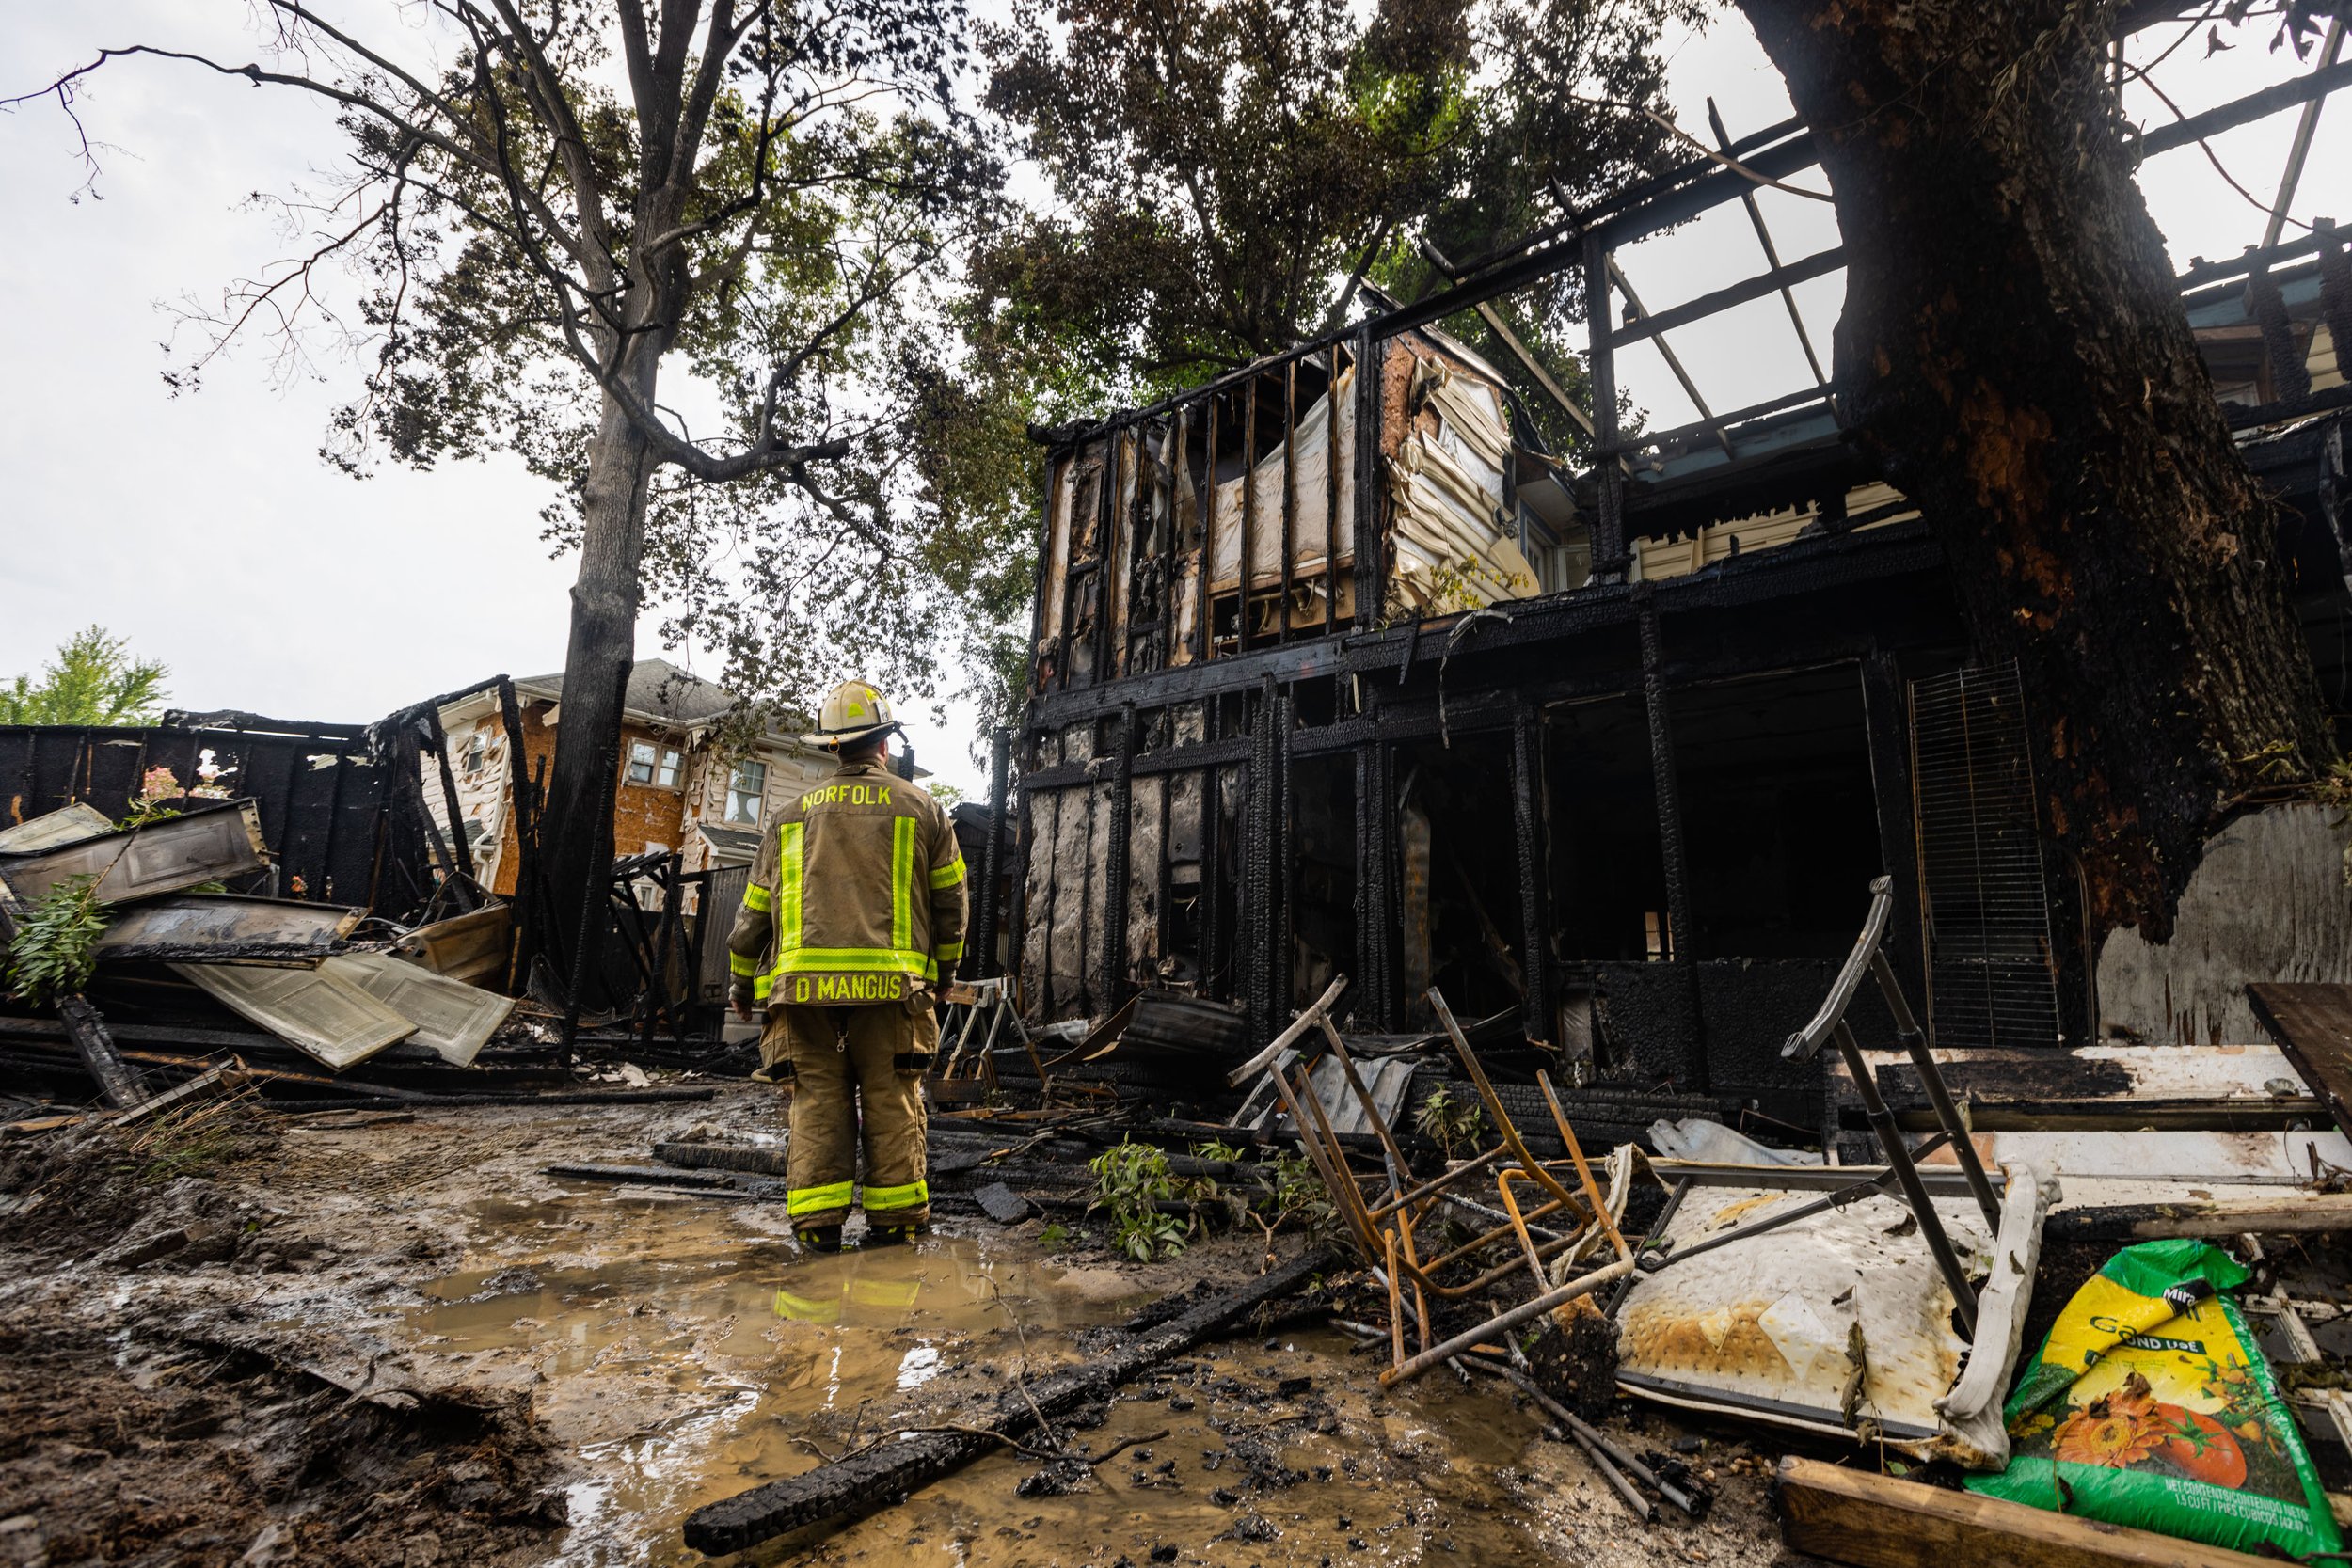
(692, 1360)
(685, 1360)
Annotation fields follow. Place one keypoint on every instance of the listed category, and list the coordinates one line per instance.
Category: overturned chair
(1388, 1230)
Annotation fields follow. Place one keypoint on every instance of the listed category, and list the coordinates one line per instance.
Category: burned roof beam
(1771, 251)
(1510, 339)
(2254, 106)
(2306, 126)
(1737, 417)
(2251, 259)
(1635, 311)
(1817, 265)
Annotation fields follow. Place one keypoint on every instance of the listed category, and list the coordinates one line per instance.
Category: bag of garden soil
(2150, 1405)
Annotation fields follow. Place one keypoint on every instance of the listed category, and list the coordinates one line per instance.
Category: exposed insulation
(1143, 882)
(1310, 467)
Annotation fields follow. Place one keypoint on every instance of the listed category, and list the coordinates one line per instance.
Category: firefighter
(854, 908)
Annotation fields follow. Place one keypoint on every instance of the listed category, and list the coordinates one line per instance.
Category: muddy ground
(393, 1340)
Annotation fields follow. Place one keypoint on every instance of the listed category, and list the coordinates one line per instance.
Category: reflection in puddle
(707, 1361)
(684, 1358)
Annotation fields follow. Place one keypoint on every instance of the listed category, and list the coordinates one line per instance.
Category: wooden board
(1873, 1521)
(2218, 1088)
(2313, 1024)
(469, 947)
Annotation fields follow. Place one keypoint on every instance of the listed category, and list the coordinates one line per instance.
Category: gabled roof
(657, 690)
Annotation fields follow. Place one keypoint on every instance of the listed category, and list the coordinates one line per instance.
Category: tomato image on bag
(2150, 1404)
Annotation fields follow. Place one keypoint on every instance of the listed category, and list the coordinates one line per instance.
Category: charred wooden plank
(2313, 1024)
(211, 927)
(2313, 1213)
(1874, 1521)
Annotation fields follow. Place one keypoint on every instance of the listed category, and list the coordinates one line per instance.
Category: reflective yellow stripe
(902, 882)
(808, 1310)
(948, 952)
(758, 897)
(741, 967)
(763, 985)
(885, 1292)
(914, 1195)
(811, 1200)
(788, 838)
(854, 960)
(949, 875)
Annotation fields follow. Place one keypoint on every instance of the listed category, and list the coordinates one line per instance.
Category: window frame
(758, 795)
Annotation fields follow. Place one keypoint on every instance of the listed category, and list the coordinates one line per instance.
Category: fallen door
(157, 858)
(308, 1009)
(452, 1017)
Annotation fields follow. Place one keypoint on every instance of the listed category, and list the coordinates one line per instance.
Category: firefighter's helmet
(853, 711)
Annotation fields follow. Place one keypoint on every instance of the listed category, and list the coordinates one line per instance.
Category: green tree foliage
(54, 949)
(1223, 180)
(1226, 174)
(679, 257)
(94, 680)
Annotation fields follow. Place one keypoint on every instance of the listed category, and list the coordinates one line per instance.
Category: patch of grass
(195, 1140)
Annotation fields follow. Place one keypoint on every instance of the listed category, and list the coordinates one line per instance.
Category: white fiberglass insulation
(1453, 544)
(1311, 469)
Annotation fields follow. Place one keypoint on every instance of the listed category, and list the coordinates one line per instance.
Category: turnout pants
(855, 1069)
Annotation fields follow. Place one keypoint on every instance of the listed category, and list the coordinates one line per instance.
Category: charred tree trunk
(2014, 352)
(576, 846)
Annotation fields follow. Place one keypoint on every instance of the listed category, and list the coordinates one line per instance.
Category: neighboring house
(683, 783)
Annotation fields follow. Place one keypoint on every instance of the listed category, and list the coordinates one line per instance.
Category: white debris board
(452, 1017)
(308, 1009)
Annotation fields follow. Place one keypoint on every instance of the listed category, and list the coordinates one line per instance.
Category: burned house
(1340, 670)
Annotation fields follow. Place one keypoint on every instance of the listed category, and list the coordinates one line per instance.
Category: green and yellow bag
(2150, 1405)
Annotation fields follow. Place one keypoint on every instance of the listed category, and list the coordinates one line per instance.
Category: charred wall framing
(1229, 701)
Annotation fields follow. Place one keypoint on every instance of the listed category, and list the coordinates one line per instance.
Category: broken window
(746, 787)
(477, 752)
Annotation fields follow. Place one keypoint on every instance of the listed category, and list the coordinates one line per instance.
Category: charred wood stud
(1682, 944)
(1114, 867)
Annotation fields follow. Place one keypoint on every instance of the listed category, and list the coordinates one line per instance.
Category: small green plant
(55, 946)
(144, 811)
(1296, 1194)
(1450, 1122)
(1055, 1236)
(1130, 1181)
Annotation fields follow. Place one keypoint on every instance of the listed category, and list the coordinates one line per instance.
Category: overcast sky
(206, 529)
